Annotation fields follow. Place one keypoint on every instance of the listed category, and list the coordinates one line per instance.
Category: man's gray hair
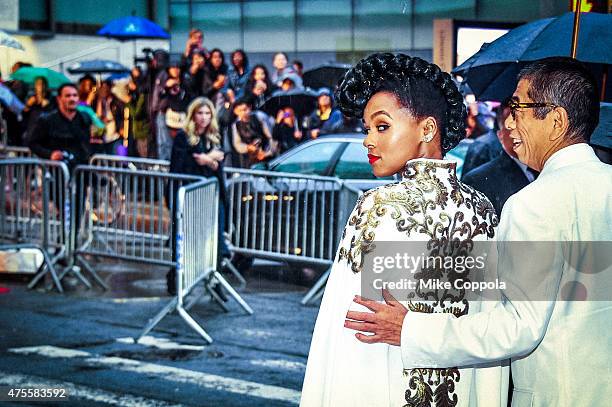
(567, 83)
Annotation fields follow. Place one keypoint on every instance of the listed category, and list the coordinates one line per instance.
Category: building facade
(313, 31)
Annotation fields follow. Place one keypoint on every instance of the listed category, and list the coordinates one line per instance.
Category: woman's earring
(428, 137)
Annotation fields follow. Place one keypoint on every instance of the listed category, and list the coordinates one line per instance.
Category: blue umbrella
(491, 72)
(117, 76)
(97, 66)
(131, 28)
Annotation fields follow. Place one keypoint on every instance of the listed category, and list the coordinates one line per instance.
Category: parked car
(337, 155)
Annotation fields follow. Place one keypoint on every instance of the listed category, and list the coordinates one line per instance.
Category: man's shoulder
(84, 117)
(565, 186)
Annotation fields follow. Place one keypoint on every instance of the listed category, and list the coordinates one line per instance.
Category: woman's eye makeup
(379, 128)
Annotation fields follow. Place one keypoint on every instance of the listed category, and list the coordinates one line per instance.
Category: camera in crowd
(69, 159)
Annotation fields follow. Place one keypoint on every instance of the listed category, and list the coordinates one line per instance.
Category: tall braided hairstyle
(419, 86)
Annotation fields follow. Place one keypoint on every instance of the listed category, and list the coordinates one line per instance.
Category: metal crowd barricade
(34, 211)
(14, 152)
(196, 243)
(124, 214)
(288, 217)
(147, 164)
(134, 163)
(348, 198)
(135, 215)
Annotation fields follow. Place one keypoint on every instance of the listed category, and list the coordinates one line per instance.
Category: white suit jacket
(561, 350)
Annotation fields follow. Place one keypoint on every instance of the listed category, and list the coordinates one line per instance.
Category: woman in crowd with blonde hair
(197, 151)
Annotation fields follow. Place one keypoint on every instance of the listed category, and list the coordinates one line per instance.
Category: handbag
(175, 120)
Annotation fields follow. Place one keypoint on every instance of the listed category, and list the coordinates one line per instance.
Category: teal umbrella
(30, 73)
(94, 117)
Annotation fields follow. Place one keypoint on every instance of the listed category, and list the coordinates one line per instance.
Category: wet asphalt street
(81, 341)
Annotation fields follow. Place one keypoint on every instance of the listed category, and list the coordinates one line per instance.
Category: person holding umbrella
(10, 112)
(109, 110)
(19, 86)
(39, 103)
(87, 90)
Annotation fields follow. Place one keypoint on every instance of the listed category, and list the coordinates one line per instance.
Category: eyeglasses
(514, 106)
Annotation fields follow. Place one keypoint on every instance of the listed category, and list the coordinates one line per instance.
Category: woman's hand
(259, 88)
(220, 82)
(91, 96)
(204, 159)
(254, 146)
(261, 155)
(297, 135)
(56, 155)
(231, 96)
(217, 155)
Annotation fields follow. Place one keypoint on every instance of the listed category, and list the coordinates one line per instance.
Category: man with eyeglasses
(554, 255)
(504, 175)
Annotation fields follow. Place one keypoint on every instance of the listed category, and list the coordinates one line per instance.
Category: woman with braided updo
(413, 114)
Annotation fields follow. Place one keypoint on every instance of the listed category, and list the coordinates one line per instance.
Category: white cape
(343, 371)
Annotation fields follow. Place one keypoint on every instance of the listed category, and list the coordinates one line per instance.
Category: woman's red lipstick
(373, 158)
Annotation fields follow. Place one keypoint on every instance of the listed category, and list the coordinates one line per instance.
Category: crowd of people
(141, 115)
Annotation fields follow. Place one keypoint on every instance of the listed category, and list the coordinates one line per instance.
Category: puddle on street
(168, 354)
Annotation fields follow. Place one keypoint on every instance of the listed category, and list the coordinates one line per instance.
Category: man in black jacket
(63, 134)
(503, 176)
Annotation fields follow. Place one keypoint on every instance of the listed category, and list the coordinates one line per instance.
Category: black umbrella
(491, 72)
(97, 66)
(303, 101)
(326, 75)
